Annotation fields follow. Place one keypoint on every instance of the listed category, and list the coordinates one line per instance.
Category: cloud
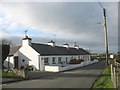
(76, 21)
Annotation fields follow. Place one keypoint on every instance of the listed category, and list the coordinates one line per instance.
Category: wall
(10, 61)
(30, 56)
(85, 57)
(63, 59)
(52, 68)
(68, 67)
(56, 59)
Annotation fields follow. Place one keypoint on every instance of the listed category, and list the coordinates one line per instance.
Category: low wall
(68, 67)
(71, 66)
(52, 68)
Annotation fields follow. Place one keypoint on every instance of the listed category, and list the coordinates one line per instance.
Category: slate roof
(46, 50)
(13, 50)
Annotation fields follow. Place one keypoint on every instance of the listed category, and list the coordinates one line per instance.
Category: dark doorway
(16, 62)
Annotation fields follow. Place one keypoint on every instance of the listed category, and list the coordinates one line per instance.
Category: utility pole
(106, 37)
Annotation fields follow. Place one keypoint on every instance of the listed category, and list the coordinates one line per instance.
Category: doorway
(16, 62)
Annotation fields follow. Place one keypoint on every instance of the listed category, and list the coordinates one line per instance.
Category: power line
(100, 4)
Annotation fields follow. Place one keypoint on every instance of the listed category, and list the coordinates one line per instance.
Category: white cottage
(39, 55)
(12, 59)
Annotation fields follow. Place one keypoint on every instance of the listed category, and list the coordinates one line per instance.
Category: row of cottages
(39, 55)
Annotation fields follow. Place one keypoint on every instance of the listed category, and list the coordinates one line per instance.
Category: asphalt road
(79, 78)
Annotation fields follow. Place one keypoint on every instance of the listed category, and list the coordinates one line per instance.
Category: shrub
(75, 61)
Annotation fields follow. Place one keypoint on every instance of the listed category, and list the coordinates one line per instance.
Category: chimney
(26, 41)
(52, 43)
(76, 46)
(66, 46)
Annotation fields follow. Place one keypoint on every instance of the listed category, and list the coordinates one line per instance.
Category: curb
(10, 81)
(18, 80)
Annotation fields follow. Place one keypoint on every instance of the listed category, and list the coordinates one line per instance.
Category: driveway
(79, 78)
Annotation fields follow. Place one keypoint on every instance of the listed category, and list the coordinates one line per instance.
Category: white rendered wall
(30, 56)
(71, 66)
(51, 44)
(52, 68)
(26, 42)
(10, 61)
(85, 57)
(63, 59)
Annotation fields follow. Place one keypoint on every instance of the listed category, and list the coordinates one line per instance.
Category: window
(72, 57)
(23, 60)
(78, 56)
(46, 61)
(53, 60)
(66, 60)
(59, 60)
(82, 57)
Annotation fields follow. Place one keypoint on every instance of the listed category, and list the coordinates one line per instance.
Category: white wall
(63, 58)
(71, 66)
(52, 68)
(85, 57)
(30, 56)
(26, 42)
(10, 61)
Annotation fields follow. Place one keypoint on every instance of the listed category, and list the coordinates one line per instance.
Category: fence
(115, 74)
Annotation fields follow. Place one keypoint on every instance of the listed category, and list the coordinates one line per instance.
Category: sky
(63, 22)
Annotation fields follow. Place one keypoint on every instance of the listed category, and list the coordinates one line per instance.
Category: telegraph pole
(105, 32)
(106, 37)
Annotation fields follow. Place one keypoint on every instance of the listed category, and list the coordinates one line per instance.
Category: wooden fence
(115, 74)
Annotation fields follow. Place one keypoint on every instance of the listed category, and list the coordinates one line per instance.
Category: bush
(22, 67)
(81, 60)
(27, 68)
(75, 61)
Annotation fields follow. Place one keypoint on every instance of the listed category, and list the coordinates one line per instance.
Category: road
(79, 78)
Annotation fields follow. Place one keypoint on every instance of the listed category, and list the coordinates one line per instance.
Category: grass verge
(5, 74)
(8, 74)
(104, 81)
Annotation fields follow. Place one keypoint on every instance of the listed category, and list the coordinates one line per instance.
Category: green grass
(7, 74)
(0, 73)
(104, 81)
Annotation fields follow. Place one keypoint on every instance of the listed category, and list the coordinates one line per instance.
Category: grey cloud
(71, 22)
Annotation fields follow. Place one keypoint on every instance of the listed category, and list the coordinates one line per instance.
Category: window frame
(46, 61)
(59, 60)
(53, 60)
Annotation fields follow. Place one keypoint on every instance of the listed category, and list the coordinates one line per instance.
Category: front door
(16, 62)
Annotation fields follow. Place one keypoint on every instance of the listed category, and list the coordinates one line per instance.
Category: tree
(5, 53)
(6, 42)
(4, 48)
